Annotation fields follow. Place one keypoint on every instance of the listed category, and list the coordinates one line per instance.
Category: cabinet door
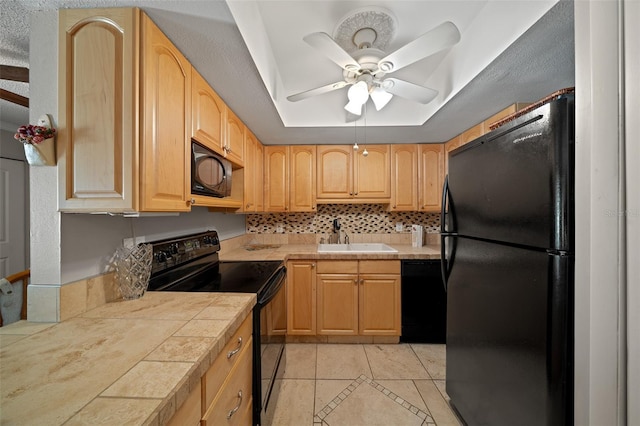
(250, 178)
(234, 147)
(302, 177)
(98, 91)
(259, 175)
(165, 160)
(335, 171)
(404, 177)
(430, 176)
(301, 298)
(379, 300)
(338, 304)
(276, 176)
(207, 114)
(372, 174)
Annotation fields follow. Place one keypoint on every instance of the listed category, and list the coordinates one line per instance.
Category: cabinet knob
(313, 265)
(355, 281)
(361, 281)
(191, 201)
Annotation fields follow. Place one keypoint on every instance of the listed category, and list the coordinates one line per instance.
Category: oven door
(269, 350)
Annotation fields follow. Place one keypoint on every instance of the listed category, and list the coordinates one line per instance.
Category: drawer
(379, 267)
(337, 267)
(217, 373)
(227, 400)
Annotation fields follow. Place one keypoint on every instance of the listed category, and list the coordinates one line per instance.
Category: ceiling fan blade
(325, 44)
(441, 37)
(410, 91)
(317, 91)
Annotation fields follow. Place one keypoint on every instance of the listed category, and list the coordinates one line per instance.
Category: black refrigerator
(508, 259)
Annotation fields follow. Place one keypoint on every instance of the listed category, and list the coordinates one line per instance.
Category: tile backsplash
(354, 219)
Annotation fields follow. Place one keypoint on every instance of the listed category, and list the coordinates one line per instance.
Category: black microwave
(210, 172)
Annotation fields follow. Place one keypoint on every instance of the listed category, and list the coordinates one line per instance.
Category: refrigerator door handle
(443, 206)
(443, 261)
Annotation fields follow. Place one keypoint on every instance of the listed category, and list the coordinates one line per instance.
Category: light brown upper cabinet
(207, 115)
(289, 178)
(116, 67)
(234, 139)
(430, 176)
(302, 177)
(404, 177)
(276, 178)
(253, 174)
(347, 175)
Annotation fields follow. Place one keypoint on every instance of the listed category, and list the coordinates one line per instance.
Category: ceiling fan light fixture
(380, 97)
(354, 108)
(359, 92)
(358, 95)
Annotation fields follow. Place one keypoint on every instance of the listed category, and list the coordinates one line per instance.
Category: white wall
(632, 140)
(69, 247)
(89, 241)
(600, 342)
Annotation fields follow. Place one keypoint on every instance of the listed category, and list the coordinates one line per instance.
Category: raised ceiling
(253, 55)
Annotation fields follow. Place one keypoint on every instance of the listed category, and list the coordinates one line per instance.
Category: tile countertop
(126, 362)
(310, 251)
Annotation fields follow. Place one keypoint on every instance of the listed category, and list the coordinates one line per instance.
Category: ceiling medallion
(377, 19)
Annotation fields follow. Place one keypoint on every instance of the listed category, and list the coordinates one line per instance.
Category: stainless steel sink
(356, 248)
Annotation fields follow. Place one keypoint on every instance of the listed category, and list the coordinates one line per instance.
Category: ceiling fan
(365, 69)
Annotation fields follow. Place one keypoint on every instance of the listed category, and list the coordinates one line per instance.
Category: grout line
(421, 363)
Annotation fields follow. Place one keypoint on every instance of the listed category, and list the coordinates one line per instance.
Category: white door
(13, 213)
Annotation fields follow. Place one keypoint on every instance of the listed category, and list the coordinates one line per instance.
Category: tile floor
(363, 384)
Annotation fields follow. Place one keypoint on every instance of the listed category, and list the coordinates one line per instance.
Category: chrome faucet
(336, 230)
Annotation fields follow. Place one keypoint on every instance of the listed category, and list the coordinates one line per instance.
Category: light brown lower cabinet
(224, 395)
(358, 297)
(301, 297)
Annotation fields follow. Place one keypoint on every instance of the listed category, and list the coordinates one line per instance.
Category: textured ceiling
(539, 60)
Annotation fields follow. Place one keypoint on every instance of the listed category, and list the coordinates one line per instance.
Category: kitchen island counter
(126, 362)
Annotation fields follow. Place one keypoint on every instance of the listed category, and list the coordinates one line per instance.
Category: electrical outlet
(127, 242)
(280, 228)
(399, 226)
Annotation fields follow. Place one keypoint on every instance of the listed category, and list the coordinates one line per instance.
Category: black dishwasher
(424, 302)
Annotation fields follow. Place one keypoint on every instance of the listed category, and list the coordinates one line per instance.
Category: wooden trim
(14, 98)
(8, 72)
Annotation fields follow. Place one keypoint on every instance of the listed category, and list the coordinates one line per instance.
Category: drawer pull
(237, 407)
(236, 350)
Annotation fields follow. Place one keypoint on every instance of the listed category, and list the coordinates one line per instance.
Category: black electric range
(191, 263)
